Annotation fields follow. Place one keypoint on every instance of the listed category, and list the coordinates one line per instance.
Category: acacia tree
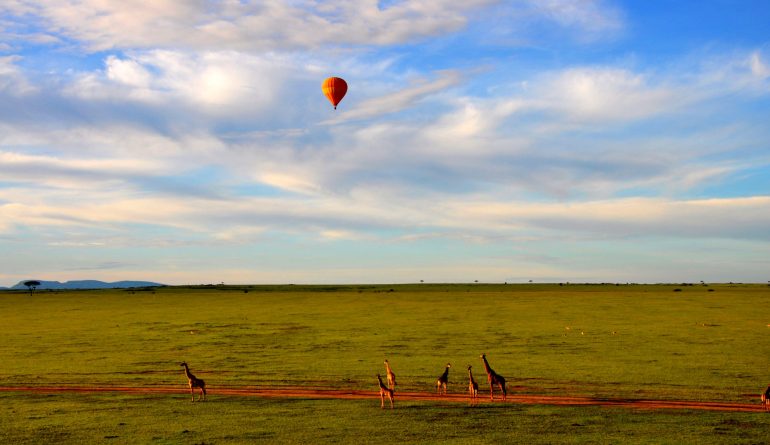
(31, 285)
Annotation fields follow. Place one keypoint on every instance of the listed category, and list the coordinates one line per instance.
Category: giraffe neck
(486, 366)
(188, 373)
(470, 374)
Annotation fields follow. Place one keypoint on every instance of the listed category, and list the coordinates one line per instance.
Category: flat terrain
(643, 358)
(410, 396)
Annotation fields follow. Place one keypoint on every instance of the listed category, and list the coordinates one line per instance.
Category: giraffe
(385, 391)
(391, 376)
(766, 398)
(194, 382)
(443, 380)
(494, 379)
(473, 387)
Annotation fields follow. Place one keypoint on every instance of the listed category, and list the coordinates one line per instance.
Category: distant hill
(86, 284)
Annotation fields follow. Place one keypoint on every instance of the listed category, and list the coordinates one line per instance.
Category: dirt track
(310, 393)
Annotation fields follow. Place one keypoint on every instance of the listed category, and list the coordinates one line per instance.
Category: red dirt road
(311, 393)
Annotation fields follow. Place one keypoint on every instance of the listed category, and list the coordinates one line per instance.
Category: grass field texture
(631, 341)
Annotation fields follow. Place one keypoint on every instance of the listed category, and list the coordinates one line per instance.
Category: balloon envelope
(334, 88)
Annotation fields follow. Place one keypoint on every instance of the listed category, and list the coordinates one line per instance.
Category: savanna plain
(697, 343)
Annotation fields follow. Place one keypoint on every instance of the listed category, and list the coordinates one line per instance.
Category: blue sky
(554, 140)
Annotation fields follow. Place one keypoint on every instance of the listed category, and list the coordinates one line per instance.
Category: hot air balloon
(334, 89)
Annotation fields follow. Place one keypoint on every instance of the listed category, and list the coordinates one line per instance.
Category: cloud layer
(171, 136)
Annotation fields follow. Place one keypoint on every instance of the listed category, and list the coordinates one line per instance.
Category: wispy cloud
(12, 79)
(591, 17)
(634, 217)
(471, 127)
(244, 26)
(400, 99)
(220, 83)
(605, 95)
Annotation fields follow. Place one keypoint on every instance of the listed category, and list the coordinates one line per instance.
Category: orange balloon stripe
(334, 89)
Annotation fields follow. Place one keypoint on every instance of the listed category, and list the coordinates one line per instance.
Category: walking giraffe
(494, 379)
(194, 382)
(385, 391)
(391, 377)
(443, 380)
(473, 387)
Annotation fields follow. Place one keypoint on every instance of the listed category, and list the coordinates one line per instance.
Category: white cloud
(473, 126)
(270, 25)
(629, 217)
(363, 214)
(541, 23)
(107, 141)
(12, 79)
(245, 26)
(400, 99)
(212, 84)
(758, 67)
(745, 73)
(11, 162)
(605, 95)
(289, 182)
(129, 72)
(527, 141)
(592, 17)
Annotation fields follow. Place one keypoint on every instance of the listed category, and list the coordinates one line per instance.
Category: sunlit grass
(700, 343)
(108, 418)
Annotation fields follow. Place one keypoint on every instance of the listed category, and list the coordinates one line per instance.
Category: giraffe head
(483, 356)
(183, 364)
(469, 367)
(448, 365)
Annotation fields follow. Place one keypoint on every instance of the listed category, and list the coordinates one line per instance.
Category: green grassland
(119, 419)
(630, 341)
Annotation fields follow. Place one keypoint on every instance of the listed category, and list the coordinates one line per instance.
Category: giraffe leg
(382, 400)
(192, 394)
